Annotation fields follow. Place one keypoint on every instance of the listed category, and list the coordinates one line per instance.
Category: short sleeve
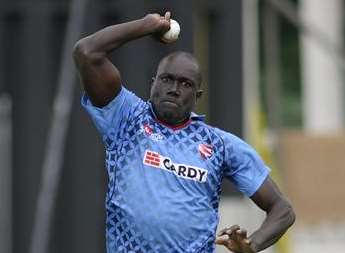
(112, 117)
(243, 165)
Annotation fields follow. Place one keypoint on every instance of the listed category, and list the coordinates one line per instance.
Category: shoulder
(219, 139)
(232, 145)
(226, 137)
(230, 139)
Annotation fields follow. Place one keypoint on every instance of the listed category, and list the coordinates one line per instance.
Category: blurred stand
(315, 174)
(320, 24)
(251, 90)
(323, 77)
(272, 61)
(5, 173)
(57, 134)
(313, 159)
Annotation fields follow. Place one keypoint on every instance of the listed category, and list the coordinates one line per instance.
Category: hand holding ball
(172, 34)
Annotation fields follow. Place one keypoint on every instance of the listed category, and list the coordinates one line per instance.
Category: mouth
(169, 102)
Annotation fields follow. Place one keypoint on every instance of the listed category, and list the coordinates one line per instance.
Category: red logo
(152, 159)
(148, 130)
(205, 150)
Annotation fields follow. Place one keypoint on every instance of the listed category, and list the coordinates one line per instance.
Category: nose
(174, 89)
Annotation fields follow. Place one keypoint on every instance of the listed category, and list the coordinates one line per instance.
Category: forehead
(180, 66)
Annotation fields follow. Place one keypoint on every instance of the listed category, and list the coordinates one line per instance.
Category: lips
(170, 102)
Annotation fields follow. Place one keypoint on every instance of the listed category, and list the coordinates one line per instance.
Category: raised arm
(280, 216)
(100, 78)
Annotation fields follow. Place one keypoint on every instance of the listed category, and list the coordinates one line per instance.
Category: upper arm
(114, 117)
(99, 77)
(267, 195)
(243, 166)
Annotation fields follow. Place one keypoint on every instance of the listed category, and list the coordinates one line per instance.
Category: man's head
(176, 87)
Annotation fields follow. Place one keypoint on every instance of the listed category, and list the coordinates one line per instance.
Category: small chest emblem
(149, 132)
(205, 150)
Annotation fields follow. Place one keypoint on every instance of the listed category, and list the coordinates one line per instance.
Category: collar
(193, 117)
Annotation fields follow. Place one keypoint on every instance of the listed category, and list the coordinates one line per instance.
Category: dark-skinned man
(165, 165)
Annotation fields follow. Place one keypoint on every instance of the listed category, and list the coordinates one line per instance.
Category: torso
(164, 186)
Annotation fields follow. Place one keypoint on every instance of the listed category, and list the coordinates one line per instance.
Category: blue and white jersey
(164, 183)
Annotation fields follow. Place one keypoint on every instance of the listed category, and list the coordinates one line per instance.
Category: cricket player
(165, 164)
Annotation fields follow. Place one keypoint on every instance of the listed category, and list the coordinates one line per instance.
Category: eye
(165, 79)
(186, 83)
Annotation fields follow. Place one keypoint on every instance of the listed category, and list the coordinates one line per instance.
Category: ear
(153, 79)
(199, 94)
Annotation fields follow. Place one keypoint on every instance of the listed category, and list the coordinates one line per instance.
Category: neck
(175, 125)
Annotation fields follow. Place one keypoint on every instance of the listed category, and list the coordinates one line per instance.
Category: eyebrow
(165, 74)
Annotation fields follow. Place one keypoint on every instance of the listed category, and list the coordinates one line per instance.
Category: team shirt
(164, 183)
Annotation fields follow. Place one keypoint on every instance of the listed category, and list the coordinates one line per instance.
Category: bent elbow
(290, 215)
(84, 51)
(80, 51)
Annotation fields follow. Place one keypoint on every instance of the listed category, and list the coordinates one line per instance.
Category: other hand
(235, 239)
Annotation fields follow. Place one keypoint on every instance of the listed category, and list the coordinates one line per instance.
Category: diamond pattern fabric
(169, 205)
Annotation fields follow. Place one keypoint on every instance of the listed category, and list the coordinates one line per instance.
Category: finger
(247, 241)
(223, 231)
(221, 241)
(232, 229)
(167, 15)
(228, 231)
(239, 236)
(242, 233)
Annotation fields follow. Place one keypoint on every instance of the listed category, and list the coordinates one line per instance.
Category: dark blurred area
(31, 38)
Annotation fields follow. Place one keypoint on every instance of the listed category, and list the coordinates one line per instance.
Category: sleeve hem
(259, 182)
(86, 102)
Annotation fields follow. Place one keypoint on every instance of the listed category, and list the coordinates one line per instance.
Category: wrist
(153, 24)
(149, 23)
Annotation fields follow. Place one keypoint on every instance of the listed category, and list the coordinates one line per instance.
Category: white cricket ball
(172, 34)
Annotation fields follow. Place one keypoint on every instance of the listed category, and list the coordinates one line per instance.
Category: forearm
(108, 39)
(278, 220)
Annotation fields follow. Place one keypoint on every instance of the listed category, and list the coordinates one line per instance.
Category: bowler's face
(175, 89)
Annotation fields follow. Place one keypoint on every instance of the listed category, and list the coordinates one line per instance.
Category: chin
(169, 114)
(169, 117)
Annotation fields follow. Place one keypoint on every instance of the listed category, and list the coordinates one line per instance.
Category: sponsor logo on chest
(154, 159)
